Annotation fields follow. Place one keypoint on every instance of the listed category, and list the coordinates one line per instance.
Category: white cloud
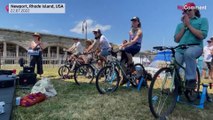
(45, 31)
(91, 25)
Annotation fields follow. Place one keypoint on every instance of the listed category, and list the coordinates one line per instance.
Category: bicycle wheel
(84, 74)
(63, 70)
(107, 80)
(139, 73)
(139, 67)
(194, 94)
(163, 93)
(59, 71)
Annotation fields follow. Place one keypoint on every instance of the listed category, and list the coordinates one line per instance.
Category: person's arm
(211, 51)
(198, 33)
(89, 48)
(71, 48)
(179, 35)
(131, 42)
(121, 46)
(41, 45)
(180, 30)
(94, 46)
(33, 45)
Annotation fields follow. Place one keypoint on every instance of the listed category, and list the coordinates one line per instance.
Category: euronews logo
(185, 7)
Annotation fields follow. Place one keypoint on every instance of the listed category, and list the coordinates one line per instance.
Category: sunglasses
(95, 32)
(188, 10)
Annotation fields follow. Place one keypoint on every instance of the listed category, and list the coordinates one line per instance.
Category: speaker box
(27, 79)
(28, 69)
(6, 72)
(6, 81)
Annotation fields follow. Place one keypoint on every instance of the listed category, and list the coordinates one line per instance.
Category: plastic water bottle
(2, 107)
(18, 101)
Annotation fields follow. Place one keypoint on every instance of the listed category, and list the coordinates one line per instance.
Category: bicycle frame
(117, 64)
(175, 66)
(95, 68)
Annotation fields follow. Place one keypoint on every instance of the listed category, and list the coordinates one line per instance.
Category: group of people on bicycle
(102, 48)
(192, 30)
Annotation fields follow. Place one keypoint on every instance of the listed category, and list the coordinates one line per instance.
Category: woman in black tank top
(37, 45)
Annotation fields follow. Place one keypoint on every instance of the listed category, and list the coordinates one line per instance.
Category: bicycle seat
(113, 54)
(69, 53)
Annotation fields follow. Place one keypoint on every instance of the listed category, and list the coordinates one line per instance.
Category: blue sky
(159, 19)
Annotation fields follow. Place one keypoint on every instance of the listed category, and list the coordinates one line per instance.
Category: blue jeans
(189, 57)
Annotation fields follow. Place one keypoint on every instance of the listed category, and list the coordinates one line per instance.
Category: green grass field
(84, 102)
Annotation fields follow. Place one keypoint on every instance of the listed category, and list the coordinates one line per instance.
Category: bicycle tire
(63, 70)
(140, 65)
(152, 98)
(140, 73)
(193, 95)
(87, 76)
(110, 77)
(59, 70)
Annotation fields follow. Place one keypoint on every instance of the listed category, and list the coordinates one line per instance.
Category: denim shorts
(133, 49)
(105, 52)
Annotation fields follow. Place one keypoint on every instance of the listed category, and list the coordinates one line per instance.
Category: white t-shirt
(207, 57)
(104, 44)
(78, 48)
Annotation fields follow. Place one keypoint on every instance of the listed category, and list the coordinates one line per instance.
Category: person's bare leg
(204, 74)
(129, 56)
(84, 57)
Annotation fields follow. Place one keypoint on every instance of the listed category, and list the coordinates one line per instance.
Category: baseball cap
(135, 18)
(189, 6)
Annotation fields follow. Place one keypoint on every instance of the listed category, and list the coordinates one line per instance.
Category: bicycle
(69, 65)
(108, 78)
(168, 83)
(85, 73)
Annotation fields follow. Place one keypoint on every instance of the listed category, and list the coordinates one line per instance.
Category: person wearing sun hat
(192, 30)
(37, 45)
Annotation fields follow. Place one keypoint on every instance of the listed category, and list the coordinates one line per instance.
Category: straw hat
(36, 34)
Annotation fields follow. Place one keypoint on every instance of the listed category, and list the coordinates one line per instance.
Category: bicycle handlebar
(117, 51)
(183, 46)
